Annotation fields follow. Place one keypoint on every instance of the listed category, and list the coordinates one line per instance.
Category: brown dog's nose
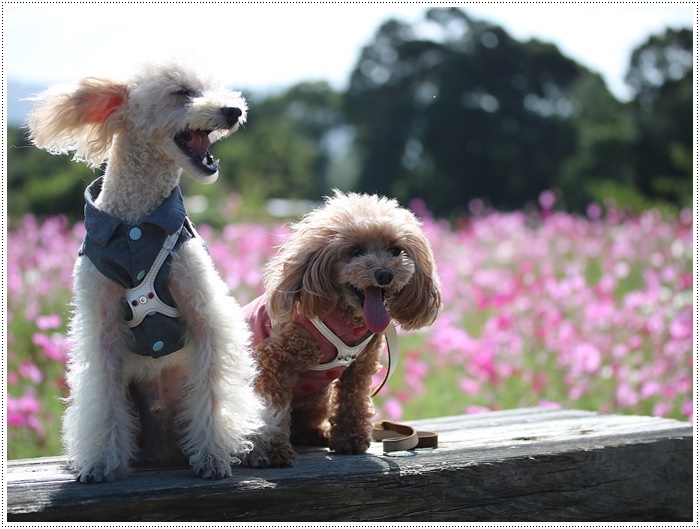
(384, 276)
(231, 114)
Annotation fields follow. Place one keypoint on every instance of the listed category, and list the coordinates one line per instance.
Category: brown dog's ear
(318, 295)
(300, 284)
(82, 119)
(418, 303)
(282, 286)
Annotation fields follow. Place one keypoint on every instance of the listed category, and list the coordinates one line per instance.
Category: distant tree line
(448, 109)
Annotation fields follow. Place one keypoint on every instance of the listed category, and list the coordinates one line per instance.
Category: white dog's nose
(231, 114)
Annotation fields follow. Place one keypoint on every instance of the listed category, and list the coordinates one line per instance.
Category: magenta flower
(29, 371)
(54, 346)
(475, 410)
(52, 321)
(547, 199)
(586, 358)
(688, 409)
(23, 412)
(540, 309)
(550, 405)
(393, 409)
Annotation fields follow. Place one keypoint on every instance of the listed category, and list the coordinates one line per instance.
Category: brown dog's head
(361, 255)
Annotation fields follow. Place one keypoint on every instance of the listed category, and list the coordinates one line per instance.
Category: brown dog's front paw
(311, 437)
(256, 458)
(282, 455)
(349, 444)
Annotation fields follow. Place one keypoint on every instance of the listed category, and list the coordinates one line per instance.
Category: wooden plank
(518, 465)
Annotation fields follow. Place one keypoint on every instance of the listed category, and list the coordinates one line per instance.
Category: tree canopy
(448, 109)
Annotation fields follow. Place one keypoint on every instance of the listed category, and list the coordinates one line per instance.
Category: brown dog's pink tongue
(376, 316)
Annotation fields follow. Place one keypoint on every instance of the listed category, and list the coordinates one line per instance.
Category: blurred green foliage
(447, 109)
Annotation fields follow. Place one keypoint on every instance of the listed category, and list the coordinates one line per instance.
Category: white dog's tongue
(376, 316)
(199, 142)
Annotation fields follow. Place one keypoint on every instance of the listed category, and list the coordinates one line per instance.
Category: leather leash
(392, 345)
(396, 436)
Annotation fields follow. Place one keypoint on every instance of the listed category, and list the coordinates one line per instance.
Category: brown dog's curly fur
(336, 252)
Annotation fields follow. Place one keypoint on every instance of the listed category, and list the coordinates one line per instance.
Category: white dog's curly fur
(201, 396)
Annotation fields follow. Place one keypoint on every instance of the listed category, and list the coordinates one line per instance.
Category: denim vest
(124, 253)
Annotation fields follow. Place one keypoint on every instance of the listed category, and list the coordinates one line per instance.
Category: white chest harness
(143, 298)
(347, 354)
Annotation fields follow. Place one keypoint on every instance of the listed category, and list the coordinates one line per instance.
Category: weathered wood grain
(520, 465)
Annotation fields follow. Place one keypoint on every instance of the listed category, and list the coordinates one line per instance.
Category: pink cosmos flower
(53, 346)
(594, 211)
(393, 409)
(626, 395)
(470, 386)
(29, 371)
(547, 199)
(52, 321)
(688, 409)
(474, 409)
(662, 409)
(549, 405)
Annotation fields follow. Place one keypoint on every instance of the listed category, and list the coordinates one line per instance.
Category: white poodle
(160, 367)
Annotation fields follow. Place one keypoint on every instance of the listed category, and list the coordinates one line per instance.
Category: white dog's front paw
(213, 469)
(96, 474)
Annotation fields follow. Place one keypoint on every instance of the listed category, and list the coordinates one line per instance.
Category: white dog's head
(165, 114)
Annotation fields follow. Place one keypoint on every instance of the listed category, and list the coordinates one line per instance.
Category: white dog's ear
(82, 119)
(418, 303)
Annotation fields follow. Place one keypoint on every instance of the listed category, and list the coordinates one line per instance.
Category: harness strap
(143, 299)
(346, 354)
(396, 436)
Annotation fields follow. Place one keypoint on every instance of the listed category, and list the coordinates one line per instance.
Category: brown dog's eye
(356, 251)
(394, 251)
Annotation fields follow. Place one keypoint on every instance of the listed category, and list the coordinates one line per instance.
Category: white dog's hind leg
(99, 427)
(220, 410)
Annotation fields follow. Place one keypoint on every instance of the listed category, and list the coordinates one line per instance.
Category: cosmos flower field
(541, 308)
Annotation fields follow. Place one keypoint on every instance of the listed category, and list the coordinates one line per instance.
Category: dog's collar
(169, 215)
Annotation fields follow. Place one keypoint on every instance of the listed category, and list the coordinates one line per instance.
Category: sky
(270, 46)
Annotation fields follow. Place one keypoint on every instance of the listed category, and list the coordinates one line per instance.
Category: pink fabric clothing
(312, 380)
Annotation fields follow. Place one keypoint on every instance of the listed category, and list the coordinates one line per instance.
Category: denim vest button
(140, 275)
(135, 234)
(158, 346)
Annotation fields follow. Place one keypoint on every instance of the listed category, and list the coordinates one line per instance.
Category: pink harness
(340, 342)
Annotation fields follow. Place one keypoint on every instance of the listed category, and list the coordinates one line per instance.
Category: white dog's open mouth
(195, 144)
